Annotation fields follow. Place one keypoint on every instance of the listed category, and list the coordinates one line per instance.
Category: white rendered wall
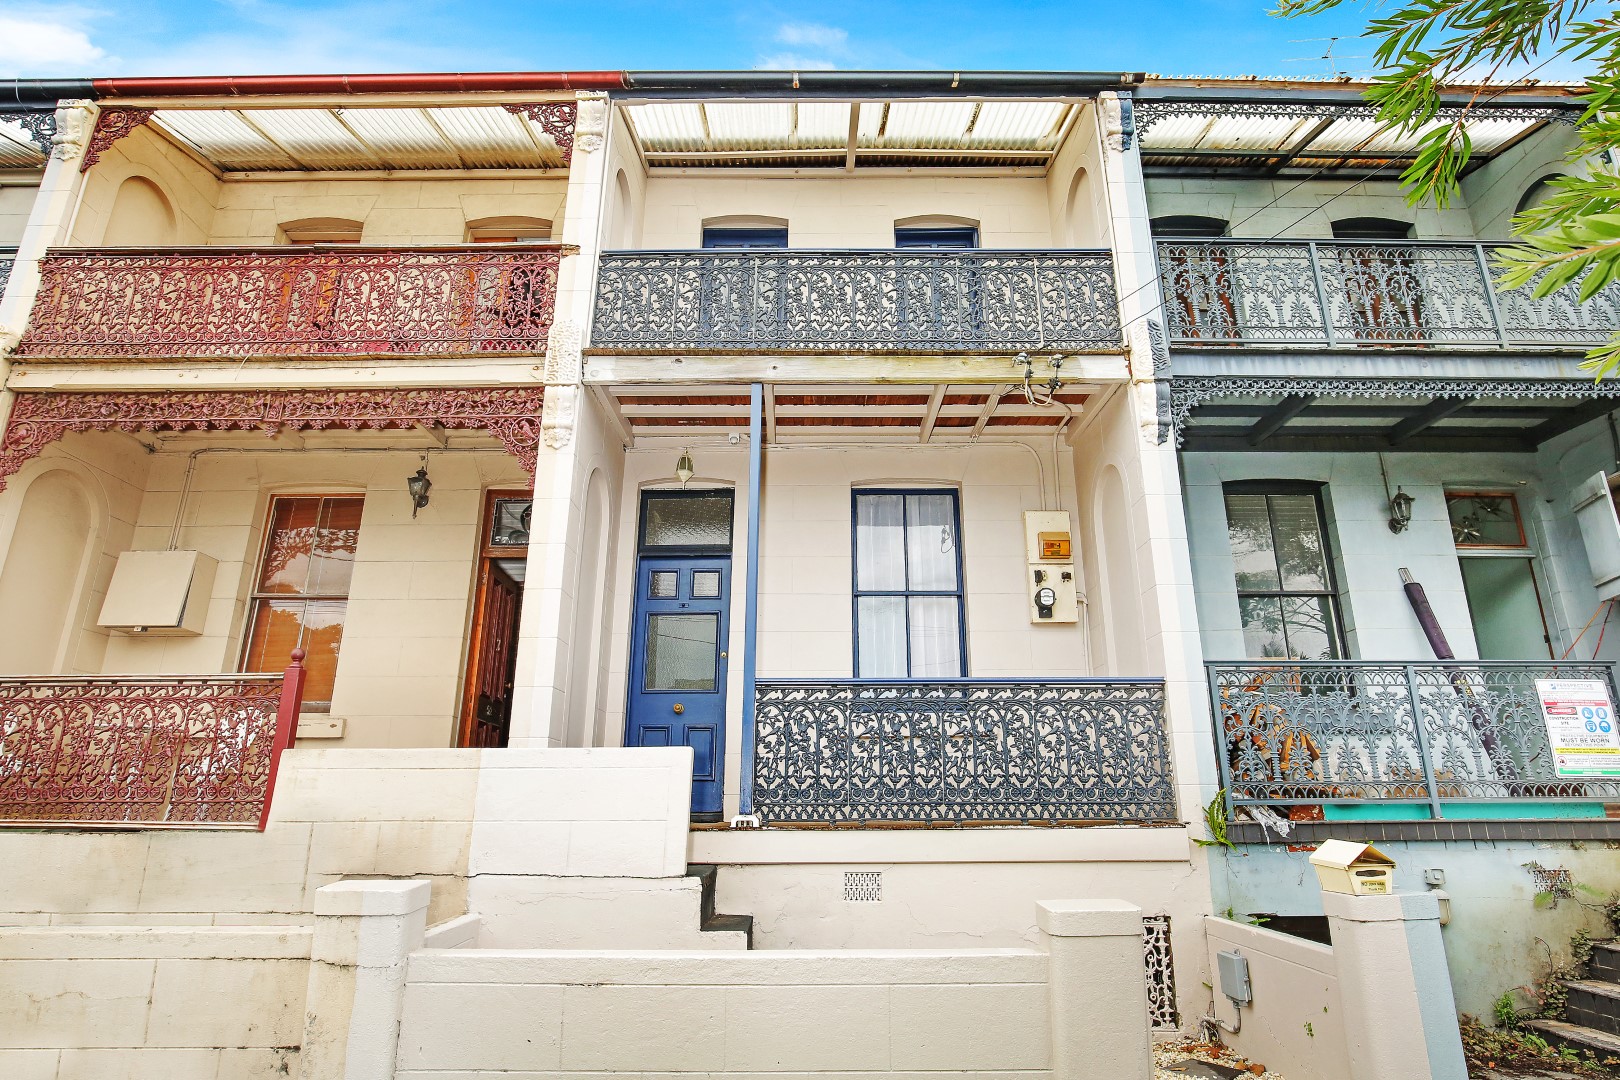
(16, 200)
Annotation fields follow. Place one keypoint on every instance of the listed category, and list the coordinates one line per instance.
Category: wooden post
(292, 699)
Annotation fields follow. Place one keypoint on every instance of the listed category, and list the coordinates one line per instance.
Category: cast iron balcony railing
(1341, 732)
(856, 301)
(961, 750)
(1331, 294)
(7, 257)
(207, 303)
(143, 750)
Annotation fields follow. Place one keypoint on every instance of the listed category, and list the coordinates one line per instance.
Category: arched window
(1188, 226)
(325, 230)
(741, 231)
(141, 216)
(508, 230)
(936, 232)
(1371, 228)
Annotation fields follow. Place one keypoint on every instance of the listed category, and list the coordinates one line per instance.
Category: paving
(1190, 1059)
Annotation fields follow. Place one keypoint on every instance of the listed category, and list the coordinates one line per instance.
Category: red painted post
(292, 699)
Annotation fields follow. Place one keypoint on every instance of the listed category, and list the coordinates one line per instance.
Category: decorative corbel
(556, 118)
(112, 125)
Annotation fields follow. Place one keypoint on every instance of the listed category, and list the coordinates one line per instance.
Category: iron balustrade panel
(961, 750)
(852, 301)
(1356, 293)
(128, 750)
(1368, 731)
(6, 259)
(220, 303)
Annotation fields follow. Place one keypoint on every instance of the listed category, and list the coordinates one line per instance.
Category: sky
(220, 37)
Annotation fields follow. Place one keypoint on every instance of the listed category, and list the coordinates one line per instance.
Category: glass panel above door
(509, 524)
(680, 522)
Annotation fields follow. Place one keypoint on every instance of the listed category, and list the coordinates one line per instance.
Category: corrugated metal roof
(16, 150)
(348, 139)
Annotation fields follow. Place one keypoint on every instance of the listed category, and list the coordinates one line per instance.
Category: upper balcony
(798, 301)
(1346, 294)
(340, 301)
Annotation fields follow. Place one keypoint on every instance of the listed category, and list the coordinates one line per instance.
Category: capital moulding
(111, 125)
(510, 414)
(556, 118)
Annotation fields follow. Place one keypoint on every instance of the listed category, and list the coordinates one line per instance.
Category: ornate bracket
(556, 118)
(1149, 113)
(40, 126)
(510, 414)
(112, 125)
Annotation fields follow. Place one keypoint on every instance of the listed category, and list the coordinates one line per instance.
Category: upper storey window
(321, 231)
(1371, 228)
(1188, 226)
(508, 230)
(765, 236)
(948, 236)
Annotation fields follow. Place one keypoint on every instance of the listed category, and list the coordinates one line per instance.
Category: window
(692, 522)
(771, 236)
(908, 585)
(321, 231)
(1188, 225)
(1371, 228)
(302, 592)
(951, 236)
(1284, 570)
(508, 230)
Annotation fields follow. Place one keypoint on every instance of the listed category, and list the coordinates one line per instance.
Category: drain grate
(863, 886)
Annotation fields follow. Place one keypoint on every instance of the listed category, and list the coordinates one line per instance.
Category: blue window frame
(955, 236)
(908, 605)
(768, 237)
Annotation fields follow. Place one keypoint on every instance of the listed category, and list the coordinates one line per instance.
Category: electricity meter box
(1053, 584)
(159, 593)
(1343, 866)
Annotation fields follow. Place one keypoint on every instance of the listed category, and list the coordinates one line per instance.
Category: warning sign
(1581, 726)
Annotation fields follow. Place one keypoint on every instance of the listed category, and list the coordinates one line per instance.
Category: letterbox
(1343, 866)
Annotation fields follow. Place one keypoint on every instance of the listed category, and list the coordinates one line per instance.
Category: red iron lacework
(112, 125)
(556, 118)
(511, 414)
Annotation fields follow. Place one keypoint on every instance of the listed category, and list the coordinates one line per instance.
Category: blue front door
(678, 665)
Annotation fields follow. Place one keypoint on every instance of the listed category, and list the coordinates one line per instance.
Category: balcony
(232, 303)
(1329, 294)
(141, 750)
(1368, 739)
(7, 257)
(982, 751)
(856, 301)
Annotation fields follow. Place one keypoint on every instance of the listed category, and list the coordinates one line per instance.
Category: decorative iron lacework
(112, 124)
(1341, 293)
(108, 305)
(556, 118)
(1188, 392)
(1161, 973)
(880, 301)
(131, 749)
(511, 414)
(961, 750)
(1151, 112)
(6, 259)
(1343, 731)
(40, 125)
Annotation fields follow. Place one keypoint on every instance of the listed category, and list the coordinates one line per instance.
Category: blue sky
(216, 37)
(219, 37)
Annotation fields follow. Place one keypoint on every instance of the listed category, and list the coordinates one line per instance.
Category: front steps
(711, 923)
(1592, 1015)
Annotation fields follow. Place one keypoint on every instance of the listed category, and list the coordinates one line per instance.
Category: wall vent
(1161, 972)
(863, 886)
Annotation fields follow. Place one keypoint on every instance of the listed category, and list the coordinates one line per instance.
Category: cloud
(47, 43)
(811, 47)
(829, 38)
(793, 62)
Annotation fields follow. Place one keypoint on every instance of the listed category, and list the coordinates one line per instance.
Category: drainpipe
(756, 457)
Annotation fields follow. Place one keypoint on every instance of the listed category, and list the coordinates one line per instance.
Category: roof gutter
(887, 84)
(37, 95)
(1496, 98)
(425, 83)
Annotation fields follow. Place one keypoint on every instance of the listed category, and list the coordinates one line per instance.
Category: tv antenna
(1327, 54)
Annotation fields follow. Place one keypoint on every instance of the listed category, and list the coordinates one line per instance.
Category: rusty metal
(223, 303)
(145, 750)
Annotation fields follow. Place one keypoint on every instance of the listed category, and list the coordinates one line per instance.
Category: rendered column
(1400, 1017)
(1097, 991)
(364, 932)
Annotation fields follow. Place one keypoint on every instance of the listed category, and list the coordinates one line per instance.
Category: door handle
(679, 708)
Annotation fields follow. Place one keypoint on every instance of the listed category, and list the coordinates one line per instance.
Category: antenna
(1327, 54)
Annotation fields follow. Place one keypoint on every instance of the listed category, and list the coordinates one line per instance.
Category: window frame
(857, 593)
(929, 237)
(1314, 489)
(650, 495)
(256, 594)
(752, 237)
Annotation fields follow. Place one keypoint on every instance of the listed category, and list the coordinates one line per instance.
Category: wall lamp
(683, 468)
(419, 485)
(1400, 511)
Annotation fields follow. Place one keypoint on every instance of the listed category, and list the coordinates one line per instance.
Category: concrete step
(1576, 1037)
(1593, 1003)
(711, 922)
(1605, 961)
(732, 924)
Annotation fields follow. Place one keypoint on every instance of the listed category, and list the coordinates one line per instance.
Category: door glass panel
(702, 521)
(935, 641)
(681, 652)
(705, 584)
(509, 526)
(881, 630)
(880, 538)
(931, 542)
(1508, 623)
(665, 585)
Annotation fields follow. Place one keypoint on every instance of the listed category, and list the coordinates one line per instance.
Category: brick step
(1562, 1033)
(1594, 1004)
(1606, 961)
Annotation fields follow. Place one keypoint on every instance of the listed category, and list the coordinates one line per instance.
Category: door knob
(679, 708)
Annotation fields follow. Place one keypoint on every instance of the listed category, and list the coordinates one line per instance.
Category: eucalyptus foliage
(1427, 46)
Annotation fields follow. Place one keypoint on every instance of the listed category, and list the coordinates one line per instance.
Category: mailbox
(1343, 866)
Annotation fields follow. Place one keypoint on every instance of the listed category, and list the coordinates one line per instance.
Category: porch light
(1400, 511)
(683, 468)
(419, 485)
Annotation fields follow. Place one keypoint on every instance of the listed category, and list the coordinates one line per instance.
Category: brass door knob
(679, 708)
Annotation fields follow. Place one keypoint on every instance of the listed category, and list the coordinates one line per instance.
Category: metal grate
(1161, 974)
(863, 886)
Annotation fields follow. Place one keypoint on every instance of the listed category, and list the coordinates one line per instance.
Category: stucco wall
(1289, 208)
(16, 200)
(1296, 1025)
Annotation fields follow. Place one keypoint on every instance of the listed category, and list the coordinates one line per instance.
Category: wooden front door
(486, 711)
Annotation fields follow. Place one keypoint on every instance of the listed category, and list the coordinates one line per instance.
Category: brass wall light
(419, 485)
